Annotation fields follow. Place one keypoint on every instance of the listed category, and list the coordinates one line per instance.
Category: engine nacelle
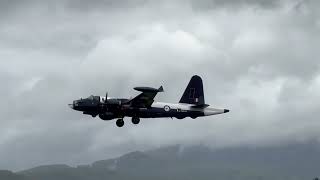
(113, 102)
(107, 116)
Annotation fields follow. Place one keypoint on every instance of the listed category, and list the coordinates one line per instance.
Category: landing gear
(135, 120)
(120, 122)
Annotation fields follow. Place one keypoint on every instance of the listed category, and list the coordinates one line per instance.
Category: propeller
(105, 103)
(106, 100)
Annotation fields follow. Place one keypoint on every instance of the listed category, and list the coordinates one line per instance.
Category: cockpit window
(96, 98)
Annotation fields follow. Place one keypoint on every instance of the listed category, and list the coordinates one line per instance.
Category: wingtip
(160, 89)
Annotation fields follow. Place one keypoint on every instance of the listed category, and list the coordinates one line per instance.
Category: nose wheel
(135, 120)
(120, 122)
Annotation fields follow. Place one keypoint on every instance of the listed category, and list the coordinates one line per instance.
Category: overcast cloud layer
(260, 59)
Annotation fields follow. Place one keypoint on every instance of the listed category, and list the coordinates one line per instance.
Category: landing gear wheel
(120, 122)
(135, 120)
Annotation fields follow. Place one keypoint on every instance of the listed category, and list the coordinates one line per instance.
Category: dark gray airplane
(191, 104)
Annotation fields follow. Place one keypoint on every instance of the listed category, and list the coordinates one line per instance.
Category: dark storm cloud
(8, 6)
(261, 61)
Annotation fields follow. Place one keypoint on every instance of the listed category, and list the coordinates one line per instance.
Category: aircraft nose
(71, 105)
(226, 110)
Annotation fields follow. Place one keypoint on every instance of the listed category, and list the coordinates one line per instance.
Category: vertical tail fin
(194, 92)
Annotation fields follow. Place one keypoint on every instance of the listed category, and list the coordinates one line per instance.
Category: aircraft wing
(144, 99)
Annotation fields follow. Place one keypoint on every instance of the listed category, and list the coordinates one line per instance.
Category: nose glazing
(72, 105)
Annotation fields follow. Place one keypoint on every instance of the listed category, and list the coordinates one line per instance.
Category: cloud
(257, 58)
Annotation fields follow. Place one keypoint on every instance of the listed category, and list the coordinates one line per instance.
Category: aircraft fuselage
(157, 110)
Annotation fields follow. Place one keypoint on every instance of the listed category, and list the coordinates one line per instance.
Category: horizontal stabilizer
(201, 106)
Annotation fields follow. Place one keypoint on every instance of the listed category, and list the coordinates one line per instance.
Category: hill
(287, 162)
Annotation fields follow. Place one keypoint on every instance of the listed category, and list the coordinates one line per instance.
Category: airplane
(191, 104)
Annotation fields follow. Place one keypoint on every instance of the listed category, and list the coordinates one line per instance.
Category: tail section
(194, 92)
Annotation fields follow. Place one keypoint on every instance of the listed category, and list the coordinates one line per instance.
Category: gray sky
(260, 59)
